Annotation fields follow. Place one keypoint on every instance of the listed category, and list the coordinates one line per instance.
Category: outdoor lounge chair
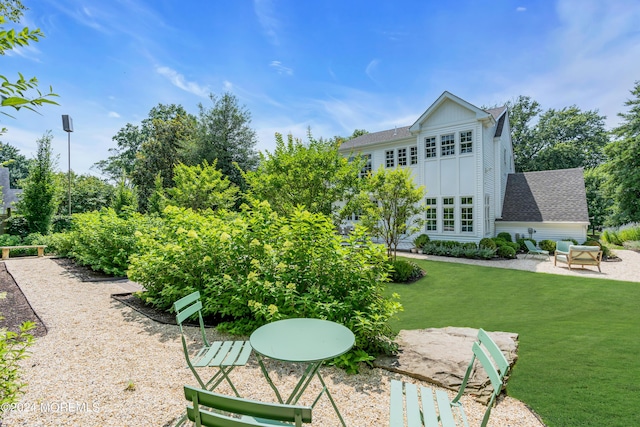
(535, 251)
(224, 355)
(229, 411)
(425, 411)
(571, 254)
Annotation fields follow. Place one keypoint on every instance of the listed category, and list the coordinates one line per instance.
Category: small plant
(420, 241)
(505, 236)
(548, 245)
(13, 349)
(487, 243)
(351, 361)
(506, 251)
(405, 271)
(131, 386)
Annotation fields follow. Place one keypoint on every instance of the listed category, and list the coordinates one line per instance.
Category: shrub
(405, 271)
(487, 243)
(548, 245)
(104, 241)
(506, 251)
(16, 225)
(486, 253)
(255, 266)
(505, 236)
(60, 223)
(13, 349)
(58, 243)
(420, 241)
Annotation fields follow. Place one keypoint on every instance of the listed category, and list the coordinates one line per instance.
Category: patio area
(103, 363)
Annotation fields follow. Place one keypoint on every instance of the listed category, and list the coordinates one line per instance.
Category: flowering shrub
(255, 267)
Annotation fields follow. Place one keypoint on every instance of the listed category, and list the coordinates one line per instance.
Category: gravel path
(104, 364)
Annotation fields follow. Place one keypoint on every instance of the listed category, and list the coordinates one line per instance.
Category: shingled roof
(550, 196)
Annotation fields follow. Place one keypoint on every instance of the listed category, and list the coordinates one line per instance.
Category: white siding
(545, 230)
(447, 113)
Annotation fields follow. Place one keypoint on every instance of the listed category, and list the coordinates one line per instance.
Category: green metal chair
(224, 355)
(406, 403)
(226, 409)
(535, 251)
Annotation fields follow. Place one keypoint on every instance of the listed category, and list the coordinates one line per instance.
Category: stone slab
(441, 356)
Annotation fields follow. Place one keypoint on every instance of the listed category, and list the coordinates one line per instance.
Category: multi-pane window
(431, 214)
(402, 157)
(366, 168)
(413, 152)
(466, 214)
(430, 147)
(390, 160)
(466, 142)
(448, 145)
(448, 214)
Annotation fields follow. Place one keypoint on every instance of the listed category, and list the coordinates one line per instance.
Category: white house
(463, 155)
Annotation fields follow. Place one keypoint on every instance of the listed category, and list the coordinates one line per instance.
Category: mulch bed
(15, 309)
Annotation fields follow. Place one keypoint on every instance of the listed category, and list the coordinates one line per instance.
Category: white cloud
(371, 67)
(114, 115)
(521, 9)
(281, 69)
(179, 80)
(266, 16)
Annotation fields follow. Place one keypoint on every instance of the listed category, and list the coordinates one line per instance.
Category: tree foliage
(224, 136)
(313, 175)
(38, 201)
(201, 187)
(597, 201)
(19, 94)
(166, 134)
(394, 206)
(17, 164)
(623, 166)
(88, 193)
(559, 139)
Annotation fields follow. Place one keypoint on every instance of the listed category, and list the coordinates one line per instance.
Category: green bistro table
(310, 341)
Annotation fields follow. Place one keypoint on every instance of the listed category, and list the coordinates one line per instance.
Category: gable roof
(480, 113)
(377, 137)
(549, 196)
(405, 132)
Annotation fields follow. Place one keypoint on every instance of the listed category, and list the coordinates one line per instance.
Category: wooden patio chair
(229, 411)
(224, 355)
(535, 251)
(405, 402)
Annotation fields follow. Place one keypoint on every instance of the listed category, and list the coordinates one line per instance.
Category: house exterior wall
(545, 230)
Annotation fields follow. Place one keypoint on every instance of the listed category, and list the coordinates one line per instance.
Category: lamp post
(67, 126)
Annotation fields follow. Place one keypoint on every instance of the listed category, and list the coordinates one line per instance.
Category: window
(366, 169)
(466, 214)
(466, 142)
(448, 215)
(402, 157)
(487, 219)
(430, 147)
(413, 151)
(448, 145)
(431, 214)
(389, 159)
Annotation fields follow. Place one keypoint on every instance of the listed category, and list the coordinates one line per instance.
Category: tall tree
(623, 166)
(560, 139)
(88, 193)
(314, 175)
(224, 135)
(17, 164)
(19, 94)
(169, 135)
(38, 200)
(394, 207)
(597, 201)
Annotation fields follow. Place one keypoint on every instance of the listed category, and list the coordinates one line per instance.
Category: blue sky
(332, 65)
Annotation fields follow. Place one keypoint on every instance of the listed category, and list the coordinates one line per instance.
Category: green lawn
(579, 353)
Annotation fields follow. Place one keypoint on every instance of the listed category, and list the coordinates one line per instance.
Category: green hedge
(255, 267)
